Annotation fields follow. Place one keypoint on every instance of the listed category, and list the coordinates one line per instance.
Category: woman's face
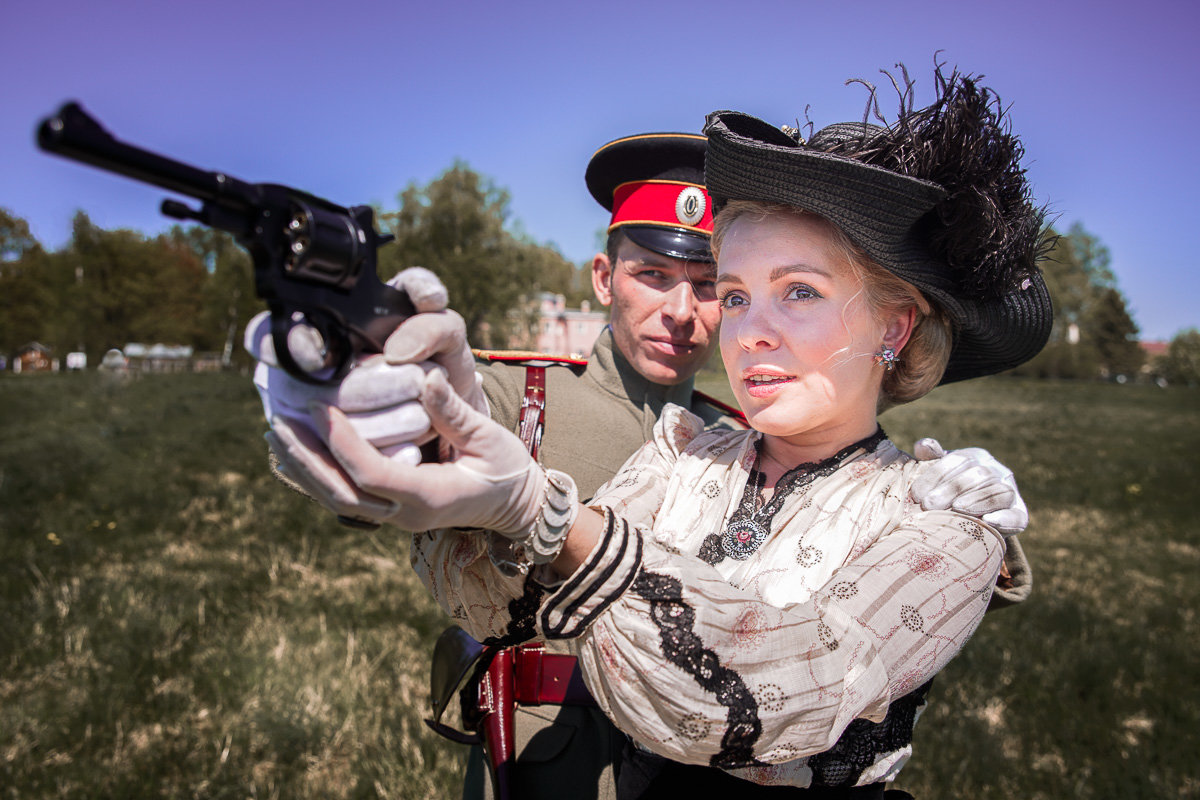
(797, 337)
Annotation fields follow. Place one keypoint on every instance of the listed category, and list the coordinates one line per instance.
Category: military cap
(653, 183)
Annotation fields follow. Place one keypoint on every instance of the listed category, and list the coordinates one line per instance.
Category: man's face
(664, 314)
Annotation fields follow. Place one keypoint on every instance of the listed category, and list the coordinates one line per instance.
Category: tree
(1093, 331)
(1181, 364)
(15, 239)
(115, 287)
(25, 302)
(457, 226)
(228, 300)
(1115, 335)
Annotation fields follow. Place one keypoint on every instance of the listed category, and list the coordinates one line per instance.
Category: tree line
(194, 286)
(1094, 335)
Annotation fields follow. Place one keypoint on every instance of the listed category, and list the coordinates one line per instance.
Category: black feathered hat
(938, 198)
(653, 183)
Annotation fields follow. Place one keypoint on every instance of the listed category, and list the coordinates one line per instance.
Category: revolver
(314, 261)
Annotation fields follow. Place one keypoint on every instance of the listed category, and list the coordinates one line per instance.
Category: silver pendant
(742, 537)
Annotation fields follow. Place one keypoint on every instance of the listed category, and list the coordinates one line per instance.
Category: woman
(768, 602)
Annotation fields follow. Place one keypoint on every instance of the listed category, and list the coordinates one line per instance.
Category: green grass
(173, 623)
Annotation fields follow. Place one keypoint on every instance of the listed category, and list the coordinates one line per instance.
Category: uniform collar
(613, 373)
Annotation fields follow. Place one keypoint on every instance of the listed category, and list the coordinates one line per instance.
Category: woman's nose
(756, 330)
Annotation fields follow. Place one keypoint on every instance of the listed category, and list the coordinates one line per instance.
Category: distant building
(1154, 349)
(34, 357)
(1154, 352)
(563, 331)
(161, 358)
(114, 361)
(158, 357)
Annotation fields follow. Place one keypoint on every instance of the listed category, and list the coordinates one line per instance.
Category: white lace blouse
(792, 652)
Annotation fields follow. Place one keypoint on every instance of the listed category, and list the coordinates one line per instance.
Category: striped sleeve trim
(600, 582)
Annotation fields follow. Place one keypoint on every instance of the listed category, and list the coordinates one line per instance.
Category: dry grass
(174, 624)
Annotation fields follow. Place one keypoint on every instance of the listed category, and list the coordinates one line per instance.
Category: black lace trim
(522, 617)
(683, 648)
(863, 742)
(757, 521)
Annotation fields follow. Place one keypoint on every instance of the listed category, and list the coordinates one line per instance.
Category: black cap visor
(671, 242)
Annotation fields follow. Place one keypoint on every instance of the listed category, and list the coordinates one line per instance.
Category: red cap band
(664, 203)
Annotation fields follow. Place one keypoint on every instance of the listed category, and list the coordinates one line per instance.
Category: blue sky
(355, 99)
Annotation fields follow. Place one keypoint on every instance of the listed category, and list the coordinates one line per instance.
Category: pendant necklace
(750, 525)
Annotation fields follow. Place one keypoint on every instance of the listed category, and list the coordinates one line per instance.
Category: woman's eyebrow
(780, 272)
(777, 273)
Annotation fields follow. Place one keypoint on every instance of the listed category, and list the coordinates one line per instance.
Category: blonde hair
(922, 362)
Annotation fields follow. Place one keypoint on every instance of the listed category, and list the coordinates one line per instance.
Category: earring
(887, 359)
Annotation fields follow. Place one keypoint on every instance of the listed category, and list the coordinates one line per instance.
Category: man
(587, 418)
(657, 277)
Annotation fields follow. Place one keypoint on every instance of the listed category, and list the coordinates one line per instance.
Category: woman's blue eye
(802, 292)
(730, 299)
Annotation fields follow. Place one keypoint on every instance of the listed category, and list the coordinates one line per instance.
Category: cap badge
(690, 205)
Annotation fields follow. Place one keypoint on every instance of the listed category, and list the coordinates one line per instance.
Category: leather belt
(531, 421)
(541, 677)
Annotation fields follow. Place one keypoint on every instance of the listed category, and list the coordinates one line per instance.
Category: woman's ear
(899, 329)
(602, 278)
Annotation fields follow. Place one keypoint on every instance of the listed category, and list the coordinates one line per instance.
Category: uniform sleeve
(702, 672)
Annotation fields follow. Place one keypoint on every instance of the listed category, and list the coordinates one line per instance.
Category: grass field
(173, 623)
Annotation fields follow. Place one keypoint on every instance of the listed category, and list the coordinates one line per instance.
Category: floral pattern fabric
(758, 665)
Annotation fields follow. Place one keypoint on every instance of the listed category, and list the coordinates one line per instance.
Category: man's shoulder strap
(725, 409)
(528, 358)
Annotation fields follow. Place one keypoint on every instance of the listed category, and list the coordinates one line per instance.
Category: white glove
(970, 481)
(381, 401)
(491, 481)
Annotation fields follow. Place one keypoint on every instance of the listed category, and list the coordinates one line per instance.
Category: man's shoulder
(506, 377)
(509, 368)
(716, 413)
(527, 358)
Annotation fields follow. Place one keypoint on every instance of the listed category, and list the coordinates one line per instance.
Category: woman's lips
(763, 384)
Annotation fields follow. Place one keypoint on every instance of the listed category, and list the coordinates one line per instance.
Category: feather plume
(987, 228)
